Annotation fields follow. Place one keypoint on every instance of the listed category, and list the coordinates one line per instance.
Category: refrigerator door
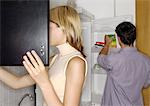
(24, 27)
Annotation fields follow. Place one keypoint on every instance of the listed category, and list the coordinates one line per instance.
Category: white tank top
(57, 72)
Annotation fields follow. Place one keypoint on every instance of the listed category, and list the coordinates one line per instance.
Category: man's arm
(104, 50)
(147, 83)
(102, 57)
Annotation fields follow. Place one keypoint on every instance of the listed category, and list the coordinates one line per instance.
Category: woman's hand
(36, 68)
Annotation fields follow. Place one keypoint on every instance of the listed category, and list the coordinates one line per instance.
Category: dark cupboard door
(24, 26)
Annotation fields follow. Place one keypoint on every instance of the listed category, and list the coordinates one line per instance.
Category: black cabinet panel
(24, 26)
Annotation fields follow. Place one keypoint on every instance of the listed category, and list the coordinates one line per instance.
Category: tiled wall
(11, 97)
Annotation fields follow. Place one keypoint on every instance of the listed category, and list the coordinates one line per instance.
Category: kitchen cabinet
(24, 26)
(143, 37)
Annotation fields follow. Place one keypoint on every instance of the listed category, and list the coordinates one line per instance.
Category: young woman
(62, 83)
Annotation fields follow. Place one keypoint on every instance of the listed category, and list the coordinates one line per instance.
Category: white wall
(108, 8)
(99, 8)
(103, 8)
(54, 3)
(125, 7)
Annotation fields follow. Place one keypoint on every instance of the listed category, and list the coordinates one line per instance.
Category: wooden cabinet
(143, 25)
(143, 35)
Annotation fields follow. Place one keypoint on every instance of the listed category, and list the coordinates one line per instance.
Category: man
(128, 71)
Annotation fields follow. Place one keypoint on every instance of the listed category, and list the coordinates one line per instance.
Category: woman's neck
(65, 48)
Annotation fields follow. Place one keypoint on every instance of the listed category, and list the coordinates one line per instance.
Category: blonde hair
(68, 20)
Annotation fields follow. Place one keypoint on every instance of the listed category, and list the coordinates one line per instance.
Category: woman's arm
(14, 81)
(75, 75)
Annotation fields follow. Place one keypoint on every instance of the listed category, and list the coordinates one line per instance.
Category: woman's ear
(59, 29)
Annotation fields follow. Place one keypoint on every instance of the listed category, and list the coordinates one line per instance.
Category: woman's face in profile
(57, 37)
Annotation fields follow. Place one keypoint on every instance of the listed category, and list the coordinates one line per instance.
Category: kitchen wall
(108, 8)
(11, 97)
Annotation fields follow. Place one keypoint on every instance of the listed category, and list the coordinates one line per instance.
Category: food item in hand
(114, 42)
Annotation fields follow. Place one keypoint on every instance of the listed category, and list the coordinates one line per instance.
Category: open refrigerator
(94, 30)
(100, 28)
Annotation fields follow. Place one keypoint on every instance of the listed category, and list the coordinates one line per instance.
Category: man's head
(126, 32)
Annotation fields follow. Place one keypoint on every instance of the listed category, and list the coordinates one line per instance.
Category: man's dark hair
(127, 32)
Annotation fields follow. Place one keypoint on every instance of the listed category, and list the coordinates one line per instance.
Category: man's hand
(107, 40)
(105, 49)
